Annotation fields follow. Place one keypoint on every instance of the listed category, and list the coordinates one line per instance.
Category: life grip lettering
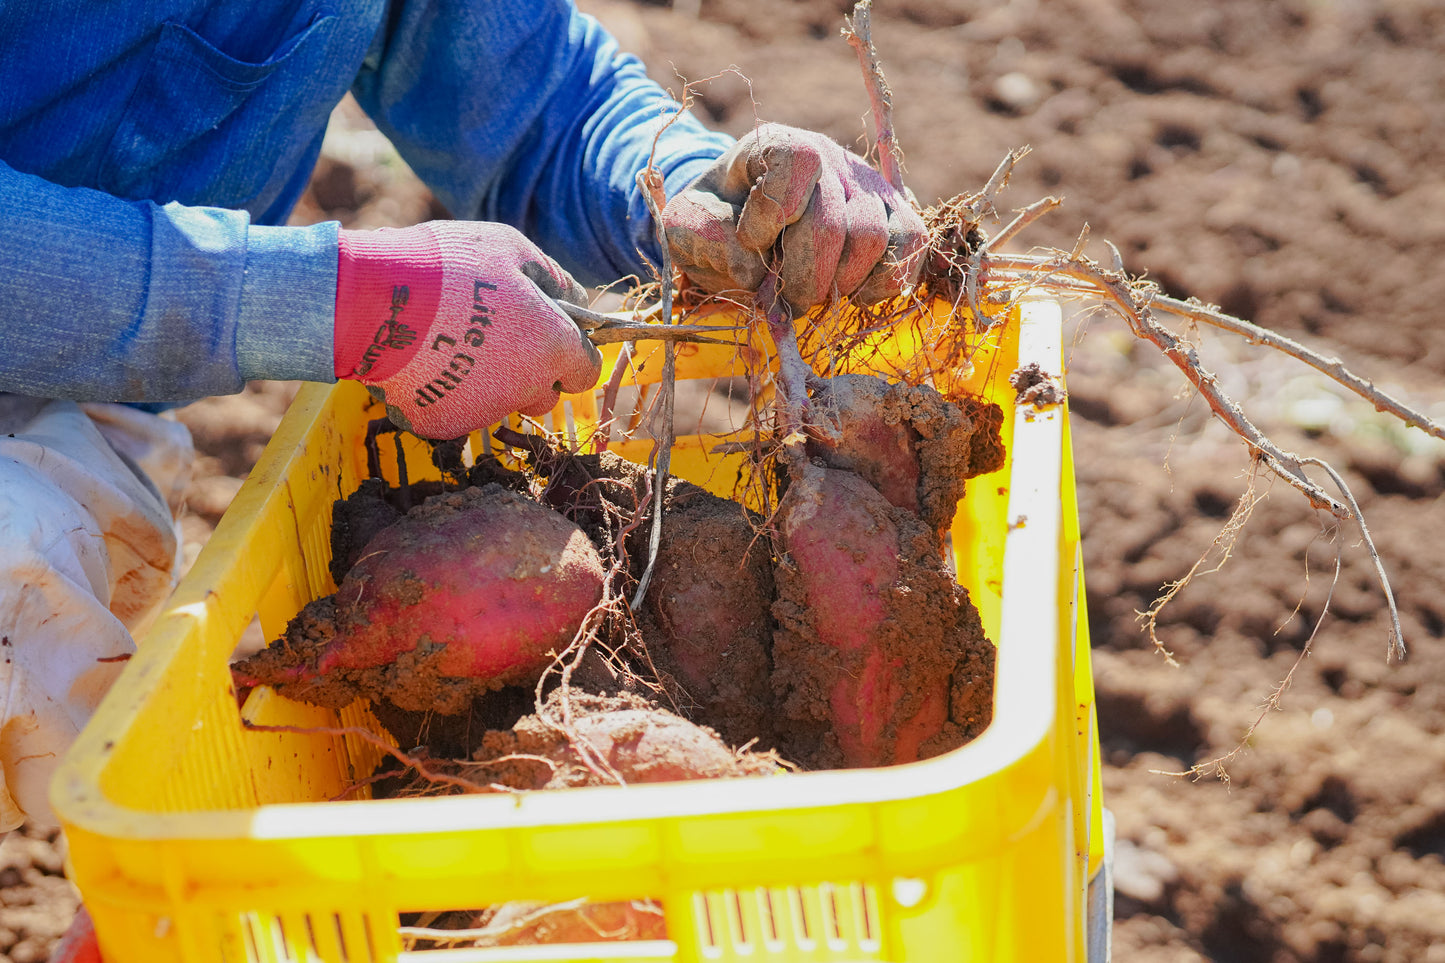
(451, 377)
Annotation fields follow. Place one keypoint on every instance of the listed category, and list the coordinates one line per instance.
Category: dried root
(1136, 301)
(965, 267)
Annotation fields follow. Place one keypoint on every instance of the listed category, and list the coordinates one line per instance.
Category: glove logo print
(392, 333)
(480, 309)
(461, 363)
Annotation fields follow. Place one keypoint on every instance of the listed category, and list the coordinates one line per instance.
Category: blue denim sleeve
(523, 112)
(527, 113)
(134, 301)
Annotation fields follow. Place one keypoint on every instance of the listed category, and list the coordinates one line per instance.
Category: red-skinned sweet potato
(578, 921)
(468, 592)
(871, 627)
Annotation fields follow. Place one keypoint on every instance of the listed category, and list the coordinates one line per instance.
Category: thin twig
(1136, 312)
(605, 413)
(1026, 216)
(1136, 309)
(597, 319)
(793, 371)
(981, 204)
(1396, 646)
(1333, 368)
(971, 278)
(690, 333)
(650, 182)
(611, 328)
(858, 32)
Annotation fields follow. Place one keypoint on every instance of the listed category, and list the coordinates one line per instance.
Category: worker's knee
(87, 550)
(60, 651)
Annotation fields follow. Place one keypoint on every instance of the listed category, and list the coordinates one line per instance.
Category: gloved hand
(844, 227)
(450, 323)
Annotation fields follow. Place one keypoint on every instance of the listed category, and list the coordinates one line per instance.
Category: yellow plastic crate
(192, 838)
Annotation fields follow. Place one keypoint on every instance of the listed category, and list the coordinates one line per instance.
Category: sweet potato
(374, 505)
(911, 444)
(579, 739)
(468, 592)
(577, 921)
(870, 626)
(705, 622)
(707, 618)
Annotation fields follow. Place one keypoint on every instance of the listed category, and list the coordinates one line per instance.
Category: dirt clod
(911, 444)
(707, 620)
(1036, 387)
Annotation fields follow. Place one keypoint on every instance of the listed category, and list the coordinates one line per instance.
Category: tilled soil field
(1280, 158)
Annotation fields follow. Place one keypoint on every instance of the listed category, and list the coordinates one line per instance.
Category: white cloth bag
(88, 552)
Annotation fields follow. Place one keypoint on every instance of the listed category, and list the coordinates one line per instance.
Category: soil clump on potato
(910, 443)
(707, 620)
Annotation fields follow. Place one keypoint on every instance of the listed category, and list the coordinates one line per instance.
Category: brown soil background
(1282, 158)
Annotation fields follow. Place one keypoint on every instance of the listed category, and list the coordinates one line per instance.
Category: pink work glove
(845, 230)
(452, 324)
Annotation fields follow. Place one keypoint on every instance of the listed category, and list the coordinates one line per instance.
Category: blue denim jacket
(148, 152)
